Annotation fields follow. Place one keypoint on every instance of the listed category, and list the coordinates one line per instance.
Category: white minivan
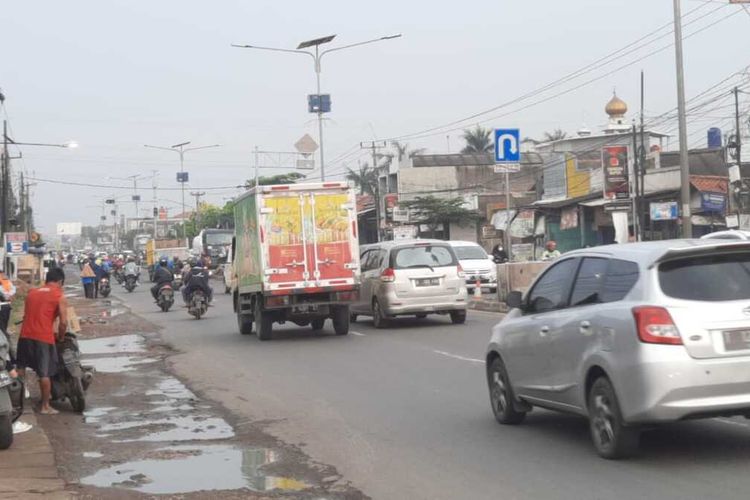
(477, 266)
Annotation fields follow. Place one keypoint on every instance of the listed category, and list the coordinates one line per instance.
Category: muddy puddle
(146, 432)
(206, 468)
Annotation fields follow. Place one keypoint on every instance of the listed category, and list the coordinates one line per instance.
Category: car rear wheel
(612, 438)
(458, 317)
(378, 318)
(501, 395)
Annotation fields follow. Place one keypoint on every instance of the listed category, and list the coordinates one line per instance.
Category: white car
(477, 266)
(731, 234)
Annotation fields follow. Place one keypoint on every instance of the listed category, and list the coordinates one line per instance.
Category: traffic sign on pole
(507, 142)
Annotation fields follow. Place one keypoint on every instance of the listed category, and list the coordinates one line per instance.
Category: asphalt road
(404, 413)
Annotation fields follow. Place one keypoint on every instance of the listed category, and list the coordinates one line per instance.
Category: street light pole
(317, 56)
(687, 226)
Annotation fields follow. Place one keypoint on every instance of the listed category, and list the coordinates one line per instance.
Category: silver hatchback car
(410, 277)
(628, 335)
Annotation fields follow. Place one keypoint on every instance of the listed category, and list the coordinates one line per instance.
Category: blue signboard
(319, 103)
(713, 202)
(664, 211)
(182, 177)
(507, 142)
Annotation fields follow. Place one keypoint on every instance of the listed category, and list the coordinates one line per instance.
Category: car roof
(454, 243)
(745, 235)
(401, 243)
(648, 253)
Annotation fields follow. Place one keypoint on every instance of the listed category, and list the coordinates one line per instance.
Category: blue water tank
(714, 138)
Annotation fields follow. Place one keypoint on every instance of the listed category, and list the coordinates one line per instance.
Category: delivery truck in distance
(295, 257)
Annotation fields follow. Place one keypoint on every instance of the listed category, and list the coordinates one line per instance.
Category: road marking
(731, 422)
(456, 356)
(358, 334)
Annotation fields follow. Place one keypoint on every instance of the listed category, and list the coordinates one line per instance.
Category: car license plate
(736, 340)
(428, 282)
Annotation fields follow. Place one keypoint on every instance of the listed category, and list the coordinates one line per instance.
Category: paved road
(403, 413)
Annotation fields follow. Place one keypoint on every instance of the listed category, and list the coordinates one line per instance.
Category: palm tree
(366, 179)
(555, 135)
(401, 150)
(478, 140)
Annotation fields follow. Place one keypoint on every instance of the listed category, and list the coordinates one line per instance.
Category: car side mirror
(515, 300)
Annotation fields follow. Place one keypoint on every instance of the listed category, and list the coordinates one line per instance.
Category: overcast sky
(117, 74)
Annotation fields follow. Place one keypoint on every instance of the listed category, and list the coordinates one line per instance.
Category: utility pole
(634, 189)
(644, 208)
(156, 204)
(4, 179)
(197, 195)
(738, 138)
(373, 146)
(687, 225)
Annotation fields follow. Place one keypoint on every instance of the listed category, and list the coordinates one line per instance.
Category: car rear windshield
(710, 278)
(470, 252)
(423, 256)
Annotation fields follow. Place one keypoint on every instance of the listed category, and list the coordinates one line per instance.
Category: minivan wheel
(378, 318)
(458, 317)
(501, 395)
(612, 438)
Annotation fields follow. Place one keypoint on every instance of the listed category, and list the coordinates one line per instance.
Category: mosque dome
(616, 106)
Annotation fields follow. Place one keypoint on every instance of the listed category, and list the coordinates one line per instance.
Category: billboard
(615, 166)
(69, 228)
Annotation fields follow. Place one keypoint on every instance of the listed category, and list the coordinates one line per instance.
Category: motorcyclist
(131, 269)
(197, 279)
(162, 276)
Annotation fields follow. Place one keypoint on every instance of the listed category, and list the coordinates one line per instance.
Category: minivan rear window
(423, 256)
(472, 252)
(709, 278)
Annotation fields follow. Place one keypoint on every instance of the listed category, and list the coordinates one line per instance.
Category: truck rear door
(332, 252)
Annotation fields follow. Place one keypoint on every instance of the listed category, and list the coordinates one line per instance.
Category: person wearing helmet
(131, 269)
(162, 276)
(197, 279)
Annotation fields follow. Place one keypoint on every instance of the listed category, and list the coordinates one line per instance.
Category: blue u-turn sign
(507, 142)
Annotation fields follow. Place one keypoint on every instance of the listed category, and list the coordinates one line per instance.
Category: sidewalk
(27, 468)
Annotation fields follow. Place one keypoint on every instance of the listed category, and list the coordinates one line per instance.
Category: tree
(366, 179)
(290, 178)
(401, 150)
(556, 135)
(478, 140)
(434, 211)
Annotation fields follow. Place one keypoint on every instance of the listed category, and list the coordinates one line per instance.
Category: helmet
(131, 259)
(163, 261)
(192, 262)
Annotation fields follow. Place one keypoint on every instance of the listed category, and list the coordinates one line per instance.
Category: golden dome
(616, 106)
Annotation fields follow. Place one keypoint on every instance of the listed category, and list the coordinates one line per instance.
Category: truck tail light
(388, 275)
(461, 273)
(655, 326)
(279, 300)
(354, 228)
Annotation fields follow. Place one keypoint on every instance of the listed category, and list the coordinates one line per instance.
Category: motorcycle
(165, 298)
(104, 287)
(198, 304)
(119, 277)
(177, 283)
(130, 283)
(11, 396)
(72, 379)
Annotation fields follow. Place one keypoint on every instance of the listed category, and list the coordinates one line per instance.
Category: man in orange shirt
(36, 345)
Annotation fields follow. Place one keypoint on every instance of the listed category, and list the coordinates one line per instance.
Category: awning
(709, 183)
(563, 201)
(596, 203)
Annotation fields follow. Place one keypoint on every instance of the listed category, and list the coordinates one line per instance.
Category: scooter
(198, 304)
(104, 287)
(72, 379)
(130, 283)
(165, 298)
(177, 282)
(11, 396)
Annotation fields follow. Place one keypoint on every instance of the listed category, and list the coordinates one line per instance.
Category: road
(404, 413)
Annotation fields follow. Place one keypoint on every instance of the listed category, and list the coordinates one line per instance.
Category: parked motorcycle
(104, 287)
(165, 298)
(11, 397)
(198, 304)
(130, 283)
(72, 379)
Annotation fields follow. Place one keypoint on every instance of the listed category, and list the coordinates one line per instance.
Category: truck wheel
(245, 323)
(341, 319)
(263, 321)
(317, 324)
(6, 431)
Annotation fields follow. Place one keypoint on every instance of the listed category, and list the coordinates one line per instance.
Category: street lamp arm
(274, 49)
(390, 37)
(159, 147)
(11, 141)
(202, 147)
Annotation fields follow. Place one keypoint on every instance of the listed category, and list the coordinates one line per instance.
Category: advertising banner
(69, 228)
(663, 211)
(615, 166)
(713, 202)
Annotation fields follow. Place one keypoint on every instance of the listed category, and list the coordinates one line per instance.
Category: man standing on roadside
(36, 345)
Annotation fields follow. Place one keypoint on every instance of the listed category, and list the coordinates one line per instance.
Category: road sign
(16, 243)
(507, 141)
(319, 103)
(306, 145)
(182, 177)
(507, 167)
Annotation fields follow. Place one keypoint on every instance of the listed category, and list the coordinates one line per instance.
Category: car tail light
(655, 326)
(461, 273)
(388, 275)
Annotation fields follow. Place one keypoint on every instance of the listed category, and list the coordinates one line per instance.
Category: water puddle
(184, 469)
(95, 415)
(113, 312)
(92, 454)
(118, 364)
(171, 388)
(113, 345)
(190, 428)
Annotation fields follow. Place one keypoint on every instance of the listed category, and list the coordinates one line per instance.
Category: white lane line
(456, 356)
(358, 334)
(731, 422)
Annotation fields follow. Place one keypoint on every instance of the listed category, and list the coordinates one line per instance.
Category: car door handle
(544, 331)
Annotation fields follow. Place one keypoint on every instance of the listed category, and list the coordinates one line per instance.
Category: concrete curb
(487, 305)
(27, 468)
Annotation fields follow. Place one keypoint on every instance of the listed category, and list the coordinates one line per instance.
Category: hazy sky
(115, 75)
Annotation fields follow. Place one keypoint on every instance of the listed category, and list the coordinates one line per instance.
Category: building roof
(469, 160)
(702, 161)
(365, 203)
(710, 183)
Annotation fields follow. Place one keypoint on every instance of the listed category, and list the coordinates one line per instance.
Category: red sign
(615, 164)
